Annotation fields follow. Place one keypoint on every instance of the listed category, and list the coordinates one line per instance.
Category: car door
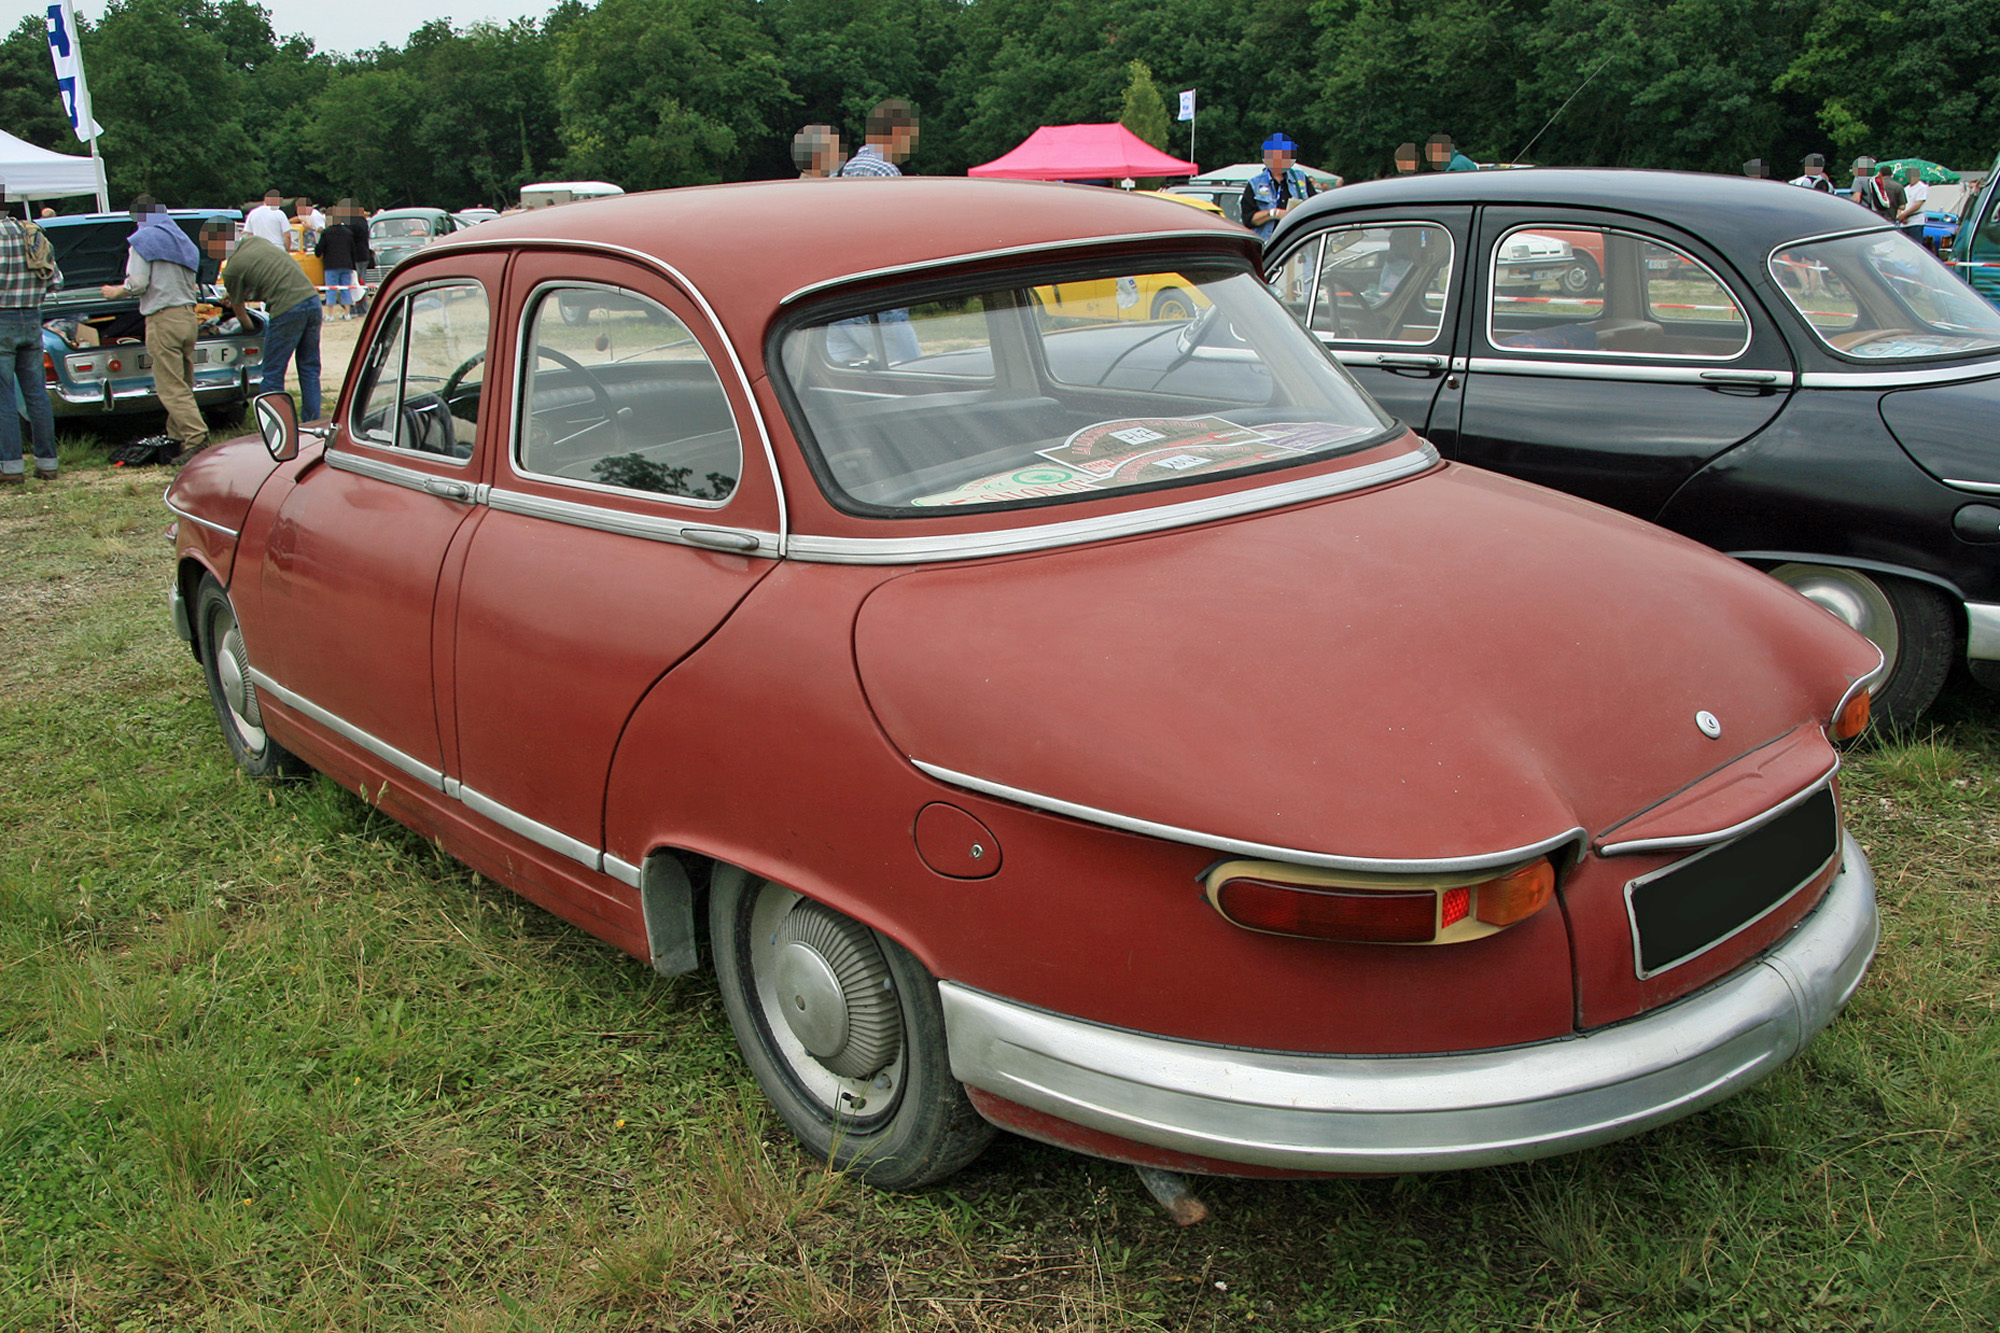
(632, 509)
(350, 574)
(1382, 292)
(1611, 358)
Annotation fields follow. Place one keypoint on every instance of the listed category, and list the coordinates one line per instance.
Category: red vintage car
(1118, 731)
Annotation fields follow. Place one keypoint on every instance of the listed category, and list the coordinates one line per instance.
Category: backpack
(41, 255)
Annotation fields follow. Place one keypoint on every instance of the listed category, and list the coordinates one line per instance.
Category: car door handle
(1393, 362)
(450, 490)
(1740, 376)
(720, 538)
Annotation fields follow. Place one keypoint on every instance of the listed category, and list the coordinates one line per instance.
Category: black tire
(225, 663)
(878, 1101)
(1913, 624)
(1173, 303)
(1581, 277)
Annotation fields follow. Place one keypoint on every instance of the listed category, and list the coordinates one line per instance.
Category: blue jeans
(340, 286)
(294, 330)
(21, 382)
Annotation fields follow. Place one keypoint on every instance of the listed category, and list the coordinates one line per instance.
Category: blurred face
(1279, 160)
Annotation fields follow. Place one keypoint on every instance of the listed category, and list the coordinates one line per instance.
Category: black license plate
(1691, 907)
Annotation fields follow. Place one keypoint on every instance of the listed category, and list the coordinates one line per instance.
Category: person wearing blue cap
(1276, 189)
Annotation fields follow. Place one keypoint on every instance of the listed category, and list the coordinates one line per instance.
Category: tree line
(203, 103)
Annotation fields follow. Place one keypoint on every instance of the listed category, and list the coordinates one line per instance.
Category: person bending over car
(161, 269)
(260, 271)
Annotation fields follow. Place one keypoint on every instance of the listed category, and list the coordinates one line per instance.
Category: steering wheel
(452, 381)
(1193, 334)
(599, 397)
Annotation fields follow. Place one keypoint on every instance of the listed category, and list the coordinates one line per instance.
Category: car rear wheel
(226, 663)
(1911, 622)
(1581, 277)
(1173, 303)
(843, 1030)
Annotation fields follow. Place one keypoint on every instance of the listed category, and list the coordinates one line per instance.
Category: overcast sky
(335, 25)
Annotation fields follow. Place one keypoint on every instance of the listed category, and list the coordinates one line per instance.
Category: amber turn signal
(1517, 896)
(1852, 719)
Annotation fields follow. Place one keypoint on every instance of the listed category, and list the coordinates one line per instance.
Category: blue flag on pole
(68, 58)
(1187, 105)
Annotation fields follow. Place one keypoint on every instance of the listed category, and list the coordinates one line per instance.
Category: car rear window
(1061, 390)
(1883, 297)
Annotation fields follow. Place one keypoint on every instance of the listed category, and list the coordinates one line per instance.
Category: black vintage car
(1771, 371)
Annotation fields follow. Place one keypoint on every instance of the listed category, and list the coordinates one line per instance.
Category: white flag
(1187, 105)
(69, 69)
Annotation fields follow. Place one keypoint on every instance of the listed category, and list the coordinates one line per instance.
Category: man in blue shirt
(892, 136)
(1277, 189)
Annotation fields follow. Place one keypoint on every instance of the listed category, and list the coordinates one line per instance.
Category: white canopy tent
(28, 172)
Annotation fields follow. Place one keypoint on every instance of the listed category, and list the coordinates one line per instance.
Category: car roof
(1737, 213)
(124, 219)
(756, 243)
(407, 213)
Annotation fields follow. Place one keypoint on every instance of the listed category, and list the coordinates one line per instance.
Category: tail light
(1362, 908)
(48, 368)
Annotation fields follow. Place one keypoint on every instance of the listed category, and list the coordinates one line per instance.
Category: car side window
(422, 375)
(1596, 292)
(617, 392)
(1381, 284)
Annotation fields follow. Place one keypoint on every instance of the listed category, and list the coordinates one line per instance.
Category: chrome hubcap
(238, 694)
(1854, 599)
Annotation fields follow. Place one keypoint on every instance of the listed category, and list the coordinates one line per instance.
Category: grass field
(267, 1061)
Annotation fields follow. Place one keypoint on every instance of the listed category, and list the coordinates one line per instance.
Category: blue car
(94, 350)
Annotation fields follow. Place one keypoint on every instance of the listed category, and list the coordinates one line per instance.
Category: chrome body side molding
(1512, 856)
(1705, 376)
(1982, 631)
(515, 822)
(1049, 536)
(1427, 1112)
(197, 519)
(690, 531)
(381, 749)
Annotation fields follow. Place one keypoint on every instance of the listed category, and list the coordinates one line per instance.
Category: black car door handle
(1392, 362)
(1740, 376)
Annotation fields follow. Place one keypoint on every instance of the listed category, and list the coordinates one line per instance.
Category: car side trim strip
(1982, 631)
(1008, 252)
(1896, 379)
(1736, 830)
(678, 531)
(378, 469)
(1706, 376)
(381, 749)
(533, 830)
(198, 519)
(1263, 851)
(623, 871)
(1976, 487)
(1048, 536)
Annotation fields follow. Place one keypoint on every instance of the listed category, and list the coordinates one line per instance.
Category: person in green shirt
(260, 271)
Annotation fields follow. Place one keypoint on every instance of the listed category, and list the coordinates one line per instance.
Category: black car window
(421, 378)
(617, 392)
(1383, 283)
(1601, 293)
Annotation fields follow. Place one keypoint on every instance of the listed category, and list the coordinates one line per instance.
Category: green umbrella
(1930, 173)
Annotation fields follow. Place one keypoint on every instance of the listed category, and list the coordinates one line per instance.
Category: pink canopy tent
(1083, 152)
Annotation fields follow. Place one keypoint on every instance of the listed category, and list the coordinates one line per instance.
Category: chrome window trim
(381, 749)
(1050, 536)
(650, 527)
(1401, 1113)
(1840, 843)
(1334, 341)
(534, 831)
(623, 871)
(514, 244)
(396, 474)
(1493, 286)
(516, 417)
(1262, 851)
(1655, 374)
(1976, 487)
(1732, 832)
(166, 498)
(405, 296)
(1006, 252)
(1899, 379)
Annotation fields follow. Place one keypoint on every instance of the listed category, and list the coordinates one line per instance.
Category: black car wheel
(1581, 277)
(843, 1029)
(1912, 623)
(226, 663)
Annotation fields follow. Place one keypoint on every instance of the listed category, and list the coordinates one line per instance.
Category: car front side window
(421, 378)
(617, 392)
(1382, 284)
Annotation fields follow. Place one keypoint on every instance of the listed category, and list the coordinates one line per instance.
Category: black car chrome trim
(197, 518)
(649, 526)
(1354, 356)
(1982, 631)
(1841, 841)
(534, 831)
(693, 293)
(1590, 370)
(1899, 379)
(395, 474)
(1262, 851)
(1008, 252)
(1048, 536)
(1731, 833)
(622, 871)
(381, 749)
(1976, 487)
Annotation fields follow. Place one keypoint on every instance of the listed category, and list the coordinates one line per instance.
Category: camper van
(563, 192)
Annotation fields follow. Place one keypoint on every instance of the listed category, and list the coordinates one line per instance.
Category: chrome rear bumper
(1385, 1114)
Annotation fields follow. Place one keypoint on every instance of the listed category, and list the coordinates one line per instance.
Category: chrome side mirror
(278, 423)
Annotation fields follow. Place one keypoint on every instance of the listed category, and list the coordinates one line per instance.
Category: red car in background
(1119, 732)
